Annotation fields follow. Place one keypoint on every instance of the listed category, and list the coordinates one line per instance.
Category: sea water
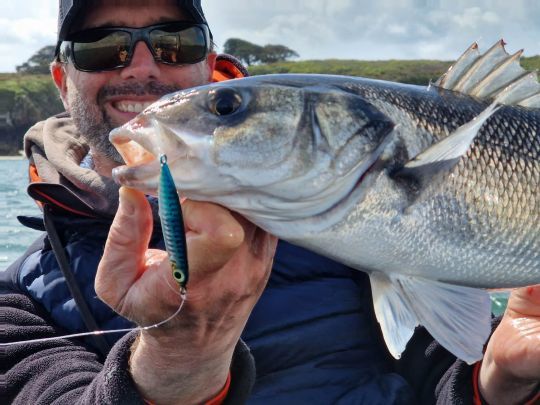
(14, 237)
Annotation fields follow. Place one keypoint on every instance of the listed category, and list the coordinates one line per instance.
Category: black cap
(68, 9)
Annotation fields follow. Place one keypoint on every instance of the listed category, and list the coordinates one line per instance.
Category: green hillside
(28, 97)
(402, 71)
(24, 100)
(35, 94)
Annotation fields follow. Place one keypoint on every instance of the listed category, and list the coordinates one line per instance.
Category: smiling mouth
(132, 106)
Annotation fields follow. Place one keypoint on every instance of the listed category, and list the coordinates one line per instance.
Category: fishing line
(183, 296)
(172, 288)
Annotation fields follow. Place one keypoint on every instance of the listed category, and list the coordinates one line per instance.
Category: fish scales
(488, 204)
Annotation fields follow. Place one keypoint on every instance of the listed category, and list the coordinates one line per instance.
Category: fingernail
(116, 176)
(126, 200)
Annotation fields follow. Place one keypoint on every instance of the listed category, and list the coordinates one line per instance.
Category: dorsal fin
(457, 70)
(493, 75)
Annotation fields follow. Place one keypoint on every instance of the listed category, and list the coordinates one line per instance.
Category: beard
(92, 120)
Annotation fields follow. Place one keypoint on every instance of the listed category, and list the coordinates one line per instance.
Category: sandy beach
(14, 157)
(20, 157)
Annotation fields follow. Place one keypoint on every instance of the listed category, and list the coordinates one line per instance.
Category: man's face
(101, 101)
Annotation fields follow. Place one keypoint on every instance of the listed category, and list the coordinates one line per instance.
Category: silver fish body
(328, 163)
(477, 224)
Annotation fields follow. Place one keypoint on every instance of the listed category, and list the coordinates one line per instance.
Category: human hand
(511, 367)
(186, 360)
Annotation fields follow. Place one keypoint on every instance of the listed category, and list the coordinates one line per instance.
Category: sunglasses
(108, 48)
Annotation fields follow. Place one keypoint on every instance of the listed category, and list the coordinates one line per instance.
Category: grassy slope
(403, 71)
(415, 72)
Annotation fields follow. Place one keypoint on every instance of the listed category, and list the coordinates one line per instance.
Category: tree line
(248, 53)
(252, 54)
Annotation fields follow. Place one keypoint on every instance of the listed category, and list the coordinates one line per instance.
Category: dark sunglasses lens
(187, 45)
(101, 52)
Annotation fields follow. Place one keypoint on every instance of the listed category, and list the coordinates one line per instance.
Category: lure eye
(224, 101)
(178, 276)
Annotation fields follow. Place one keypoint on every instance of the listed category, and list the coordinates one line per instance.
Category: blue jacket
(313, 334)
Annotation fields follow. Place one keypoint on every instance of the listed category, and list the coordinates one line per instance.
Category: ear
(211, 61)
(59, 76)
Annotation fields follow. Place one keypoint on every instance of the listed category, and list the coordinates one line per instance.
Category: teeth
(127, 106)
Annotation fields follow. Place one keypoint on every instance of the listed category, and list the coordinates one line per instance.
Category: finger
(261, 247)
(213, 221)
(124, 255)
(213, 235)
(260, 243)
(525, 301)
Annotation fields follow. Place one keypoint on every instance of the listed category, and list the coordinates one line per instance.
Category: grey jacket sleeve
(68, 372)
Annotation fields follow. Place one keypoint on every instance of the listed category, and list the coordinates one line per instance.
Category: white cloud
(317, 29)
(474, 18)
(25, 30)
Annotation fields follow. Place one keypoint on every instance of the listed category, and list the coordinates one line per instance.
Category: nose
(142, 66)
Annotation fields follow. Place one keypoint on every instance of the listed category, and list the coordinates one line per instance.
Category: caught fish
(431, 191)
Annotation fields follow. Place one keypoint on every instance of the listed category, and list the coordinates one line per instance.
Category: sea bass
(433, 191)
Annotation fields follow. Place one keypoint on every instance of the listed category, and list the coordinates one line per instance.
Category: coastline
(19, 157)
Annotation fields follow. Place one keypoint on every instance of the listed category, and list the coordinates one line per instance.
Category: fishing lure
(172, 224)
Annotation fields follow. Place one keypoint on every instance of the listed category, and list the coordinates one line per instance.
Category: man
(312, 334)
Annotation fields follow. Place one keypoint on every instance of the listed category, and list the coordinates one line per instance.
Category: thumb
(124, 256)
(525, 301)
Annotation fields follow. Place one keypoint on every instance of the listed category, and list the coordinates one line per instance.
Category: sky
(321, 29)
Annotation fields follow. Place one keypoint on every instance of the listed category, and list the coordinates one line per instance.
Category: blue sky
(319, 29)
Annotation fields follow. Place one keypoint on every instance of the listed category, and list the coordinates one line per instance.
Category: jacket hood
(56, 150)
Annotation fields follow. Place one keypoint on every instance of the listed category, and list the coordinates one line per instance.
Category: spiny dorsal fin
(482, 67)
(525, 91)
(456, 71)
(495, 75)
(493, 82)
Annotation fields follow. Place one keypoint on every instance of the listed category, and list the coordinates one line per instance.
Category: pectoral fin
(446, 153)
(458, 317)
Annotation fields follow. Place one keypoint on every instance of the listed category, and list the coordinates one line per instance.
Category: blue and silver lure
(172, 224)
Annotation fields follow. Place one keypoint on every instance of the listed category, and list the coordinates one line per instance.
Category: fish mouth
(141, 160)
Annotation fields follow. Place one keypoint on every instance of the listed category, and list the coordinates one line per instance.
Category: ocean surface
(14, 238)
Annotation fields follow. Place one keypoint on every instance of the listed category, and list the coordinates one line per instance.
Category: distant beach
(14, 157)
(20, 157)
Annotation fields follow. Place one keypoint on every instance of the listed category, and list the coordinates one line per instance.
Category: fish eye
(224, 101)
